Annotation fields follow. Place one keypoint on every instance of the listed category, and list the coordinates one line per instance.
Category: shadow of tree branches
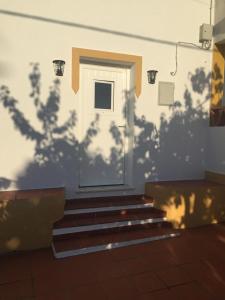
(176, 150)
(52, 142)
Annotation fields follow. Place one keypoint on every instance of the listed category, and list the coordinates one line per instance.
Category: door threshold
(107, 188)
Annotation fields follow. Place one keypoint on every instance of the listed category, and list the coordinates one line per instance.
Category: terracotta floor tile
(159, 295)
(126, 253)
(190, 291)
(192, 267)
(182, 254)
(213, 287)
(213, 277)
(216, 265)
(174, 276)
(87, 261)
(15, 267)
(134, 266)
(88, 269)
(64, 274)
(120, 289)
(18, 290)
(46, 284)
(78, 275)
(55, 295)
(147, 282)
(95, 292)
(196, 270)
(110, 270)
(42, 261)
(16, 298)
(209, 278)
(158, 261)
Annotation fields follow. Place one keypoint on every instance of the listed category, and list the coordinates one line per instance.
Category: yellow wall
(190, 204)
(218, 75)
(27, 217)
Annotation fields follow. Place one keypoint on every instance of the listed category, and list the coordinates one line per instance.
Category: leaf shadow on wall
(57, 150)
(179, 141)
(176, 150)
(55, 145)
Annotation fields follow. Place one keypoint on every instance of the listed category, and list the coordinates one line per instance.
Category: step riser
(105, 232)
(107, 201)
(108, 217)
(100, 224)
(105, 226)
(110, 246)
(109, 209)
(111, 213)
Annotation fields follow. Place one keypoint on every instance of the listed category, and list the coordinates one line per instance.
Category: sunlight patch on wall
(3, 210)
(35, 201)
(214, 221)
(175, 212)
(192, 200)
(207, 202)
(13, 243)
(148, 174)
(217, 77)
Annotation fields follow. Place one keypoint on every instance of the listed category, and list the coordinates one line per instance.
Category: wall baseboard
(215, 177)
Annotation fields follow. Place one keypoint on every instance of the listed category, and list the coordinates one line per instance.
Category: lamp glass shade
(151, 76)
(58, 67)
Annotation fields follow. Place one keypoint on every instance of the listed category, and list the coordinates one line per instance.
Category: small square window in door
(103, 95)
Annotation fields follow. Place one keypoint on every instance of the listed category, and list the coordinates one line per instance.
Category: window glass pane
(103, 95)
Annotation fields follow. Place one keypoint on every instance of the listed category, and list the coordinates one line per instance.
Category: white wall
(147, 28)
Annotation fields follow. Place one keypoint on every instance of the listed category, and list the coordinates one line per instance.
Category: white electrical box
(166, 93)
(205, 33)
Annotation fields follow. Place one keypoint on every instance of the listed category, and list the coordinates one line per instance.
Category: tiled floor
(190, 267)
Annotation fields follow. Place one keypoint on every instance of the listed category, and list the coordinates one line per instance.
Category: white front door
(103, 121)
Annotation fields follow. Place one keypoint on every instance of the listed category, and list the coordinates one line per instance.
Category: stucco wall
(40, 31)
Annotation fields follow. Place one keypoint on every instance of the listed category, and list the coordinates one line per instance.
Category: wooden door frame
(109, 57)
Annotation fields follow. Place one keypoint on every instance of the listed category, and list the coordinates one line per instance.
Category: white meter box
(166, 93)
(205, 33)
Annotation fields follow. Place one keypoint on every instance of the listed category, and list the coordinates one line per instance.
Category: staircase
(97, 224)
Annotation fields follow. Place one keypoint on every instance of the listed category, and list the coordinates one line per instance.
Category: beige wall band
(102, 56)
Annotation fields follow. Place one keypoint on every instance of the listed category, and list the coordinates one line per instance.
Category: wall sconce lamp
(58, 67)
(151, 76)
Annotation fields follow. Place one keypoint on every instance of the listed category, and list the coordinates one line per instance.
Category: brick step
(97, 224)
(66, 234)
(105, 226)
(94, 243)
(112, 214)
(102, 202)
(107, 209)
(109, 217)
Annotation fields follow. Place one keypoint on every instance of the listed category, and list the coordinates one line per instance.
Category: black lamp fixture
(151, 76)
(58, 67)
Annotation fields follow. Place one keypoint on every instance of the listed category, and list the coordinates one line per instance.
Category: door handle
(122, 126)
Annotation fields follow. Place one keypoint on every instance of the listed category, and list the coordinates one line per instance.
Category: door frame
(134, 64)
(134, 61)
(128, 145)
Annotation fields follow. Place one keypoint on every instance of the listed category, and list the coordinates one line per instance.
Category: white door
(103, 121)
